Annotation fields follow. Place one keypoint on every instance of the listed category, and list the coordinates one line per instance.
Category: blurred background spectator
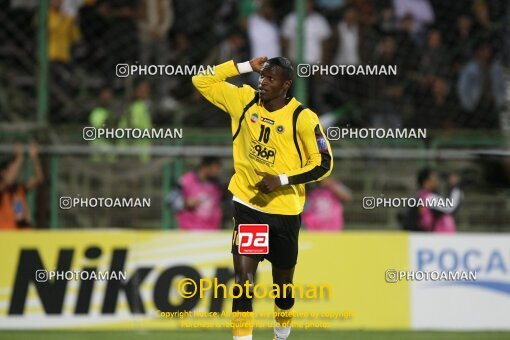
(138, 116)
(317, 40)
(421, 12)
(452, 61)
(429, 40)
(14, 209)
(438, 219)
(197, 199)
(155, 20)
(481, 89)
(103, 116)
(317, 35)
(324, 205)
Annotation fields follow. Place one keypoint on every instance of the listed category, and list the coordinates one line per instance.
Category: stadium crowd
(449, 54)
(450, 58)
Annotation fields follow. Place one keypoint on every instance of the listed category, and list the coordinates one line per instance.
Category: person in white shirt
(317, 34)
(317, 37)
(421, 11)
(263, 33)
(347, 52)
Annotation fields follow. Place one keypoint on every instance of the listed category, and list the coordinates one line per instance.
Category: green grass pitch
(265, 334)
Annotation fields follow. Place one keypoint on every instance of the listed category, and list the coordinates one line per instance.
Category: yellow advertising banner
(109, 279)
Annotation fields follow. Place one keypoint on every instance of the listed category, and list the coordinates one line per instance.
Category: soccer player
(278, 147)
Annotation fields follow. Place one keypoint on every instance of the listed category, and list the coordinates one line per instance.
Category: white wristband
(244, 67)
(284, 179)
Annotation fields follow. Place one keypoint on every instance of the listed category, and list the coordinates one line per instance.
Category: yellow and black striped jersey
(287, 141)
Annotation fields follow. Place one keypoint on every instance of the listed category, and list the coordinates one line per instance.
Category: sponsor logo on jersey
(267, 120)
(253, 239)
(262, 153)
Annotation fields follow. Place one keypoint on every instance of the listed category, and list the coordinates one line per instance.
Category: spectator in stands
(483, 25)
(138, 116)
(72, 7)
(368, 15)
(225, 15)
(14, 212)
(63, 33)
(420, 10)
(197, 21)
(331, 9)
(121, 36)
(233, 47)
(20, 190)
(437, 218)
(197, 199)
(348, 39)
(434, 60)
(386, 20)
(102, 116)
(181, 54)
(407, 52)
(354, 45)
(441, 110)
(93, 29)
(317, 34)
(481, 89)
(155, 20)
(263, 33)
(463, 39)
(8, 172)
(324, 206)
(317, 39)
(386, 91)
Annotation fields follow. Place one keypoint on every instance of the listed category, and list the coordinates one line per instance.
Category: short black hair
(424, 174)
(285, 66)
(209, 160)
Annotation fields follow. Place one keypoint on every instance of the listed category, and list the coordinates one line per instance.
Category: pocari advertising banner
(476, 293)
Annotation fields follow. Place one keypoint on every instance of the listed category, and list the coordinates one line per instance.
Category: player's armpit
(319, 162)
(222, 94)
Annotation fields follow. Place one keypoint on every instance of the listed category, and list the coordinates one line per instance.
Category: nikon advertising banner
(157, 280)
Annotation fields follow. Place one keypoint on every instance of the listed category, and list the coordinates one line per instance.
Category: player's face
(272, 83)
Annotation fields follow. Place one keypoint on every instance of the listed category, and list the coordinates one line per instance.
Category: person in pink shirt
(437, 218)
(198, 205)
(324, 206)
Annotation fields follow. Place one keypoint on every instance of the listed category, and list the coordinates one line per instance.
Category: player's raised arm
(226, 96)
(317, 155)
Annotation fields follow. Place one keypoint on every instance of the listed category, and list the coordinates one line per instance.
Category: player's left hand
(268, 183)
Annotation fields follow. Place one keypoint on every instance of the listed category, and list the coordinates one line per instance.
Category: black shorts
(283, 235)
